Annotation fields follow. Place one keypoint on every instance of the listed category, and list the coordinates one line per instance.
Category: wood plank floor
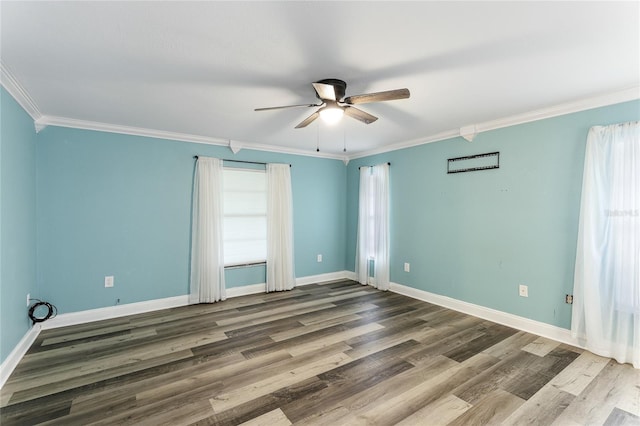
(331, 354)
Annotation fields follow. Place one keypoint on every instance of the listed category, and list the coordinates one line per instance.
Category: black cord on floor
(52, 311)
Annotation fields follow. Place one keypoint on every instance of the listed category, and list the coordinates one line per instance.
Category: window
(606, 304)
(245, 216)
(372, 249)
(623, 228)
(371, 215)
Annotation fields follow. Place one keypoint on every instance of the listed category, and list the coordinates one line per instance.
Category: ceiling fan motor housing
(331, 91)
(340, 87)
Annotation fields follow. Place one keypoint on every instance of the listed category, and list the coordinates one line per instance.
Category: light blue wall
(111, 204)
(17, 221)
(476, 236)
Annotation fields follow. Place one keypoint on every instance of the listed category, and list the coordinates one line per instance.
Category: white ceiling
(200, 68)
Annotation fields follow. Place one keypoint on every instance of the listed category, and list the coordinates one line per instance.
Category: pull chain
(344, 139)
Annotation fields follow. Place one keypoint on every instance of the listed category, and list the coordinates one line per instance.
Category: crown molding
(293, 151)
(407, 144)
(616, 97)
(611, 98)
(47, 120)
(17, 91)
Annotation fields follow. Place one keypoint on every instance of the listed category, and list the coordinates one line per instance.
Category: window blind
(245, 216)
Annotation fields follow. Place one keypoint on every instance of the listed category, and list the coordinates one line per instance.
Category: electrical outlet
(28, 299)
(568, 299)
(108, 281)
(523, 290)
(319, 258)
(407, 267)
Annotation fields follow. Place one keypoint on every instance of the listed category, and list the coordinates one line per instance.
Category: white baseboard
(320, 278)
(300, 281)
(246, 290)
(535, 327)
(109, 312)
(10, 363)
(552, 332)
(81, 317)
(350, 275)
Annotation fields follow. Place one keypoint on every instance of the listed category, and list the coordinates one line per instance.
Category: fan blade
(360, 115)
(287, 106)
(325, 91)
(308, 120)
(390, 95)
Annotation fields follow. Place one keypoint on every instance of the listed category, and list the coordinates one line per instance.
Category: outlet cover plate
(523, 290)
(108, 281)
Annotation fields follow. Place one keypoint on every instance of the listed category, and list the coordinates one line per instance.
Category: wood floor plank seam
(335, 353)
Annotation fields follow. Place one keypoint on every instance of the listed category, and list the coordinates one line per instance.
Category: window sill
(245, 265)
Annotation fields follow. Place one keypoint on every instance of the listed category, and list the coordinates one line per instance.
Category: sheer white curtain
(606, 309)
(280, 273)
(372, 249)
(207, 259)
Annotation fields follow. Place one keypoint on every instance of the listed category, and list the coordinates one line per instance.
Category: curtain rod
(370, 166)
(240, 161)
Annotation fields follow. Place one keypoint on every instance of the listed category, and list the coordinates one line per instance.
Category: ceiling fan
(334, 105)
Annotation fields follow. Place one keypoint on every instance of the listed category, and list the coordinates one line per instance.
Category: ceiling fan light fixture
(331, 115)
(334, 105)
